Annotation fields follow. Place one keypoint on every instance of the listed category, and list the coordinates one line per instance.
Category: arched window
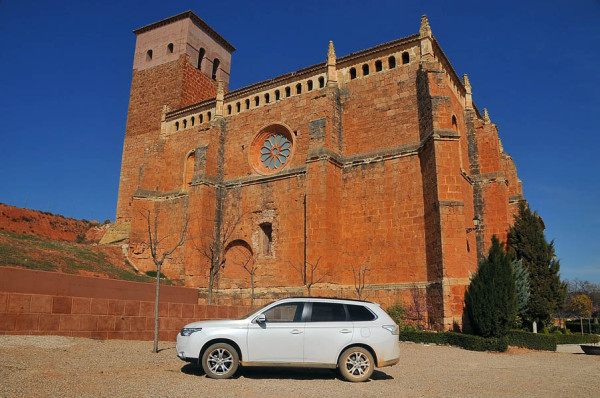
(310, 85)
(288, 92)
(229, 109)
(247, 104)
(176, 126)
(149, 55)
(189, 168)
(184, 123)
(267, 98)
(352, 73)
(298, 88)
(405, 58)
(216, 63)
(321, 82)
(266, 238)
(193, 121)
(201, 119)
(277, 95)
(238, 107)
(454, 124)
(256, 100)
(378, 66)
(201, 57)
(209, 116)
(365, 69)
(170, 48)
(391, 62)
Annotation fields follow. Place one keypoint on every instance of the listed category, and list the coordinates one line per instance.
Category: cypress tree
(527, 242)
(522, 285)
(491, 300)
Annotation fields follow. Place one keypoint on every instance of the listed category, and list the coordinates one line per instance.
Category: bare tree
(155, 250)
(250, 266)
(359, 279)
(307, 273)
(212, 248)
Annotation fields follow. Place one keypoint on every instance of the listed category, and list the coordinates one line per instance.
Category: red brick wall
(34, 302)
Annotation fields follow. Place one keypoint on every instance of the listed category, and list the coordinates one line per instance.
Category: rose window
(275, 151)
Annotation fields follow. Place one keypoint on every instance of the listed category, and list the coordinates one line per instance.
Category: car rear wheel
(220, 361)
(356, 364)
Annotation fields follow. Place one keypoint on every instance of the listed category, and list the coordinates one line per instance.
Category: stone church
(372, 174)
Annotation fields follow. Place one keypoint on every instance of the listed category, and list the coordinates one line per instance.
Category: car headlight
(189, 331)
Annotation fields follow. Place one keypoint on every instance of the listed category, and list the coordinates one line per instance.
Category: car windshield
(255, 310)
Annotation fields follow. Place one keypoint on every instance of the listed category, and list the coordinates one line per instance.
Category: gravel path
(52, 366)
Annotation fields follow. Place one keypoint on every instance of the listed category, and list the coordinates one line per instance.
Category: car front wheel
(356, 364)
(220, 361)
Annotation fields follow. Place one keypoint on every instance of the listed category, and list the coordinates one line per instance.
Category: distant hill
(49, 242)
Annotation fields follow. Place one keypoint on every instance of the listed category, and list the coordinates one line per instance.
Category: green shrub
(575, 327)
(80, 238)
(397, 313)
(466, 341)
(153, 274)
(545, 342)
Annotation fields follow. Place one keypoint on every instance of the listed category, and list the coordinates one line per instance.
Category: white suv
(354, 336)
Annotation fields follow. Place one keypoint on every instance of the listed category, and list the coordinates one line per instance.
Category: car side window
(359, 313)
(288, 312)
(328, 312)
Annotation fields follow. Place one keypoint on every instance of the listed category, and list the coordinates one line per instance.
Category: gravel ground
(55, 366)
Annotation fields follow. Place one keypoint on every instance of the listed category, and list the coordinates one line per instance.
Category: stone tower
(177, 62)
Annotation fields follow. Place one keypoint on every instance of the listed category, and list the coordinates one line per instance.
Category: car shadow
(269, 373)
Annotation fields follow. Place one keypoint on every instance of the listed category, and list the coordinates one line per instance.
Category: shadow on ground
(266, 373)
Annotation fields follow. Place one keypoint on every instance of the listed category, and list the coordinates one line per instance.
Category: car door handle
(296, 331)
(345, 331)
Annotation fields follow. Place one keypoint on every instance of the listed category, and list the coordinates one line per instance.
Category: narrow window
(176, 126)
(229, 109)
(378, 66)
(184, 123)
(247, 104)
(277, 95)
(288, 92)
(216, 63)
(148, 55)
(201, 119)
(454, 124)
(170, 48)
(256, 101)
(209, 116)
(298, 88)
(321, 82)
(238, 107)
(352, 73)
(392, 62)
(267, 238)
(201, 57)
(193, 121)
(267, 98)
(189, 168)
(310, 85)
(405, 58)
(365, 69)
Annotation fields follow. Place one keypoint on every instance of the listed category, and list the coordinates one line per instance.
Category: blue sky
(65, 74)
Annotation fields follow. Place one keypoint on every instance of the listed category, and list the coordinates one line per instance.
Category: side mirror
(260, 319)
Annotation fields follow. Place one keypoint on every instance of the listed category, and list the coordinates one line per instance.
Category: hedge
(466, 341)
(575, 327)
(534, 341)
(575, 338)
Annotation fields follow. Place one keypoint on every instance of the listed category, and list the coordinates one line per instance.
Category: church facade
(370, 175)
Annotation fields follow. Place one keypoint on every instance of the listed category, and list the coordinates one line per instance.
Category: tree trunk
(308, 288)
(156, 309)
(581, 321)
(210, 287)
(252, 293)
